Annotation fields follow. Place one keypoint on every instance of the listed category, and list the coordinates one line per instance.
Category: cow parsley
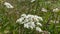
(30, 21)
(8, 5)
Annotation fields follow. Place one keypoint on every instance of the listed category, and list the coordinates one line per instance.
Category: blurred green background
(8, 17)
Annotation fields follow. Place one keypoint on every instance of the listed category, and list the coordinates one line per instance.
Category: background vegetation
(8, 17)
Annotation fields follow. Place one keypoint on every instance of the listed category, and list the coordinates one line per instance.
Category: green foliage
(8, 17)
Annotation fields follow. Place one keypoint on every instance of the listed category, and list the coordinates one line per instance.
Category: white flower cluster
(54, 10)
(8, 5)
(30, 21)
(54, 21)
(44, 10)
(32, 0)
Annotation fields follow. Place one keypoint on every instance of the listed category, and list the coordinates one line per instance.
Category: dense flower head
(30, 21)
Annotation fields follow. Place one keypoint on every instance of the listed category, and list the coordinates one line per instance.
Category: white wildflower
(39, 24)
(20, 20)
(8, 5)
(30, 16)
(29, 21)
(26, 25)
(41, 18)
(23, 15)
(35, 19)
(38, 29)
(32, 25)
(29, 25)
(38, 18)
(55, 10)
(54, 21)
(32, 0)
(57, 21)
(44, 10)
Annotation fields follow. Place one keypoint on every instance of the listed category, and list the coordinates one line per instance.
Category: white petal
(23, 15)
(32, 24)
(39, 24)
(32, 0)
(44, 10)
(55, 10)
(20, 20)
(41, 18)
(26, 25)
(8, 5)
(31, 27)
(38, 29)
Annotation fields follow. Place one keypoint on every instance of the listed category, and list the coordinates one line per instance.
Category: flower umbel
(30, 21)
